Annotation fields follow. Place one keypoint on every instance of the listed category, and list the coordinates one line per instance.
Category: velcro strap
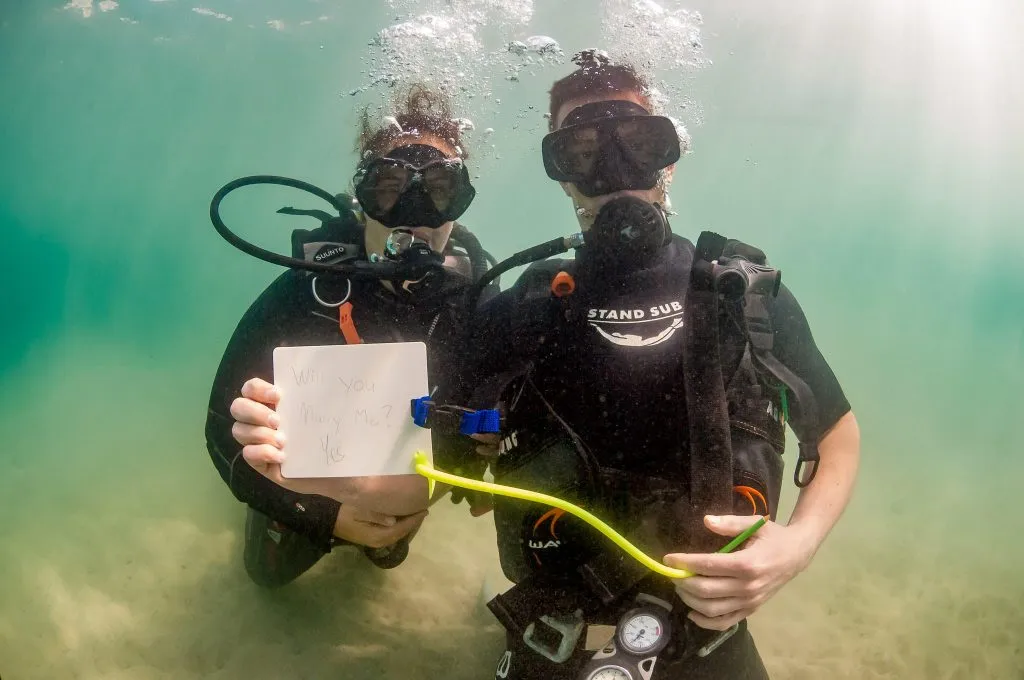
(525, 602)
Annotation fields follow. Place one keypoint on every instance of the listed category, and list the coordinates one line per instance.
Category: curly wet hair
(417, 111)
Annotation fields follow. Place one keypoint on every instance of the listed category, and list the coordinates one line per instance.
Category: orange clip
(347, 325)
(563, 284)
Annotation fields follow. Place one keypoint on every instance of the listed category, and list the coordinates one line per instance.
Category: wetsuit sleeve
(794, 346)
(249, 354)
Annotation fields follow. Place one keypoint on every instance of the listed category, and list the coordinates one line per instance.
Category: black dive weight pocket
(757, 475)
(532, 535)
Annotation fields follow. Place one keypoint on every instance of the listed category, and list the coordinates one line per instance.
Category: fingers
(374, 518)
(261, 391)
(487, 450)
(266, 460)
(721, 622)
(409, 522)
(252, 412)
(262, 455)
(480, 504)
(382, 537)
(246, 434)
(489, 444)
(733, 525)
(711, 587)
(710, 564)
(713, 608)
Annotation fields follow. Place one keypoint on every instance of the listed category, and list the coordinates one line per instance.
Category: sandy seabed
(123, 561)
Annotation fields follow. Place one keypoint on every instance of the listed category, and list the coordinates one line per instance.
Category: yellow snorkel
(433, 475)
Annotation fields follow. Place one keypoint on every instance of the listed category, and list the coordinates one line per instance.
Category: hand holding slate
(346, 408)
(375, 499)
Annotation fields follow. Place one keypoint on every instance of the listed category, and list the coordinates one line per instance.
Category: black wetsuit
(288, 532)
(607, 366)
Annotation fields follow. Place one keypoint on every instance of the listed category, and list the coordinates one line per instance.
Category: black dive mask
(610, 146)
(626, 234)
(414, 186)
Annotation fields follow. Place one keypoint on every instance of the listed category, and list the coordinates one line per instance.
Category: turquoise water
(872, 149)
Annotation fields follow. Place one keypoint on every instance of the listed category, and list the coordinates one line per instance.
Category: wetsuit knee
(274, 555)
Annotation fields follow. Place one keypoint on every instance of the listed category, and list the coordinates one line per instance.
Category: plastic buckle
(451, 419)
(420, 410)
(569, 629)
(429, 415)
(447, 419)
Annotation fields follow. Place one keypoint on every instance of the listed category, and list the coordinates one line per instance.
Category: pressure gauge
(644, 631)
(610, 673)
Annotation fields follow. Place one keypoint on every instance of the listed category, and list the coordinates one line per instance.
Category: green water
(873, 149)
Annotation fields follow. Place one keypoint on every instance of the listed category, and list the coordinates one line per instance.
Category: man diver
(606, 371)
(411, 185)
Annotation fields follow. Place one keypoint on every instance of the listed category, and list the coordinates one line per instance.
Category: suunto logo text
(330, 252)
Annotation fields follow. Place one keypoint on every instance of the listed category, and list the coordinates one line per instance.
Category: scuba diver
(410, 187)
(649, 380)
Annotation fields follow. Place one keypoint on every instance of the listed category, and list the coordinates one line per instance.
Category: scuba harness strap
(802, 397)
(710, 459)
(760, 334)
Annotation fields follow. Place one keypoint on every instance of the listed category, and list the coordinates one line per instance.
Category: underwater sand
(138, 575)
(868, 146)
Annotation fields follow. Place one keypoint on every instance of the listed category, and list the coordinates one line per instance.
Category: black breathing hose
(396, 271)
(555, 246)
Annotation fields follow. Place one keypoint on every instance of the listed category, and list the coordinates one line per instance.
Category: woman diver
(411, 185)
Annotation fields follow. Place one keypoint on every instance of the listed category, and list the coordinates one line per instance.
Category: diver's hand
(373, 529)
(479, 503)
(488, 447)
(728, 587)
(255, 428)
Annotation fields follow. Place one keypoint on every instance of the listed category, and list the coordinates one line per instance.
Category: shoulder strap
(760, 335)
(710, 459)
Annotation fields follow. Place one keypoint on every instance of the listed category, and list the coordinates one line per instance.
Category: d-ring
(348, 293)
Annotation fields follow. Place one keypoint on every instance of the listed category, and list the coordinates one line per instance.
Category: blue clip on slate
(420, 410)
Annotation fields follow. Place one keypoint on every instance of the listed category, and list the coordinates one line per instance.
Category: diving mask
(610, 146)
(414, 186)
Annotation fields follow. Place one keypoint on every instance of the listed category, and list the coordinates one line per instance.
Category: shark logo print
(543, 536)
(650, 327)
